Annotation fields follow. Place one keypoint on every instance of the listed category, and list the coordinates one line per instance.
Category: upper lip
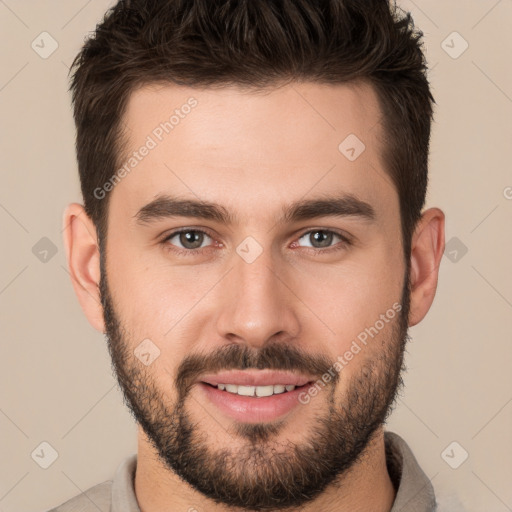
(255, 378)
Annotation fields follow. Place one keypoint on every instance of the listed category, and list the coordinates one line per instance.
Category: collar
(414, 491)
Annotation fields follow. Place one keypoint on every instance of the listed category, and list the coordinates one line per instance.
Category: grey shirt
(414, 492)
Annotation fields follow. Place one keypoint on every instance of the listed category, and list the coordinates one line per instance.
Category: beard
(263, 473)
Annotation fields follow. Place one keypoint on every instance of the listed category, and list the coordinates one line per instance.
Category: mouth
(257, 391)
(252, 397)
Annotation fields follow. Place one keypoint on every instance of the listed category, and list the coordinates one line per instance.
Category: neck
(366, 486)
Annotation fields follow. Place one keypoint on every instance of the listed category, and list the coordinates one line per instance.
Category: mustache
(274, 356)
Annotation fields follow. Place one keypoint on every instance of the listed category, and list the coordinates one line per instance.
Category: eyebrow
(165, 206)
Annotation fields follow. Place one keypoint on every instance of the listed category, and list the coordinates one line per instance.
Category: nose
(257, 302)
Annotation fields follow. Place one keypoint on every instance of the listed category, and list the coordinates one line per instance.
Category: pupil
(191, 238)
(323, 238)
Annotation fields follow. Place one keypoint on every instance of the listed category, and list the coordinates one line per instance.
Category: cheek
(163, 304)
(365, 284)
(351, 297)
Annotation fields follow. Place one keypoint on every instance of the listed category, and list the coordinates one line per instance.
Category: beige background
(55, 378)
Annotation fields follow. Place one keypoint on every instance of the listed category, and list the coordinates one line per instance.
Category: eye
(187, 240)
(322, 238)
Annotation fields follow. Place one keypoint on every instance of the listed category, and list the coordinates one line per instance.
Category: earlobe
(427, 249)
(83, 257)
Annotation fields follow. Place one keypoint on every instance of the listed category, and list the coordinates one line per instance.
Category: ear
(427, 249)
(83, 257)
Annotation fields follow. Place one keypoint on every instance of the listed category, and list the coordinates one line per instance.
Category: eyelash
(345, 242)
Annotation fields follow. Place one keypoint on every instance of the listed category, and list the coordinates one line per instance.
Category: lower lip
(249, 409)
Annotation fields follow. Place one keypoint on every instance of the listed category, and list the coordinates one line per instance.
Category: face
(244, 247)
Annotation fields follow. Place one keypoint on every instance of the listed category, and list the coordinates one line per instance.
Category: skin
(254, 153)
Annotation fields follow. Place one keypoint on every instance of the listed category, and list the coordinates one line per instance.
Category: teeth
(246, 390)
(264, 390)
(258, 391)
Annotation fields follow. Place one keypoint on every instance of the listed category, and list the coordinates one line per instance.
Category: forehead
(231, 145)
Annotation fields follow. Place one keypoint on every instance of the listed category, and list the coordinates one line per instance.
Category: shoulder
(94, 499)
(448, 501)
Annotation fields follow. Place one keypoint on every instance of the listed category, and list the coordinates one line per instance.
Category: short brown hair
(254, 44)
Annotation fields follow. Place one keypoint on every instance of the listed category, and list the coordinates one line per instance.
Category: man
(252, 242)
